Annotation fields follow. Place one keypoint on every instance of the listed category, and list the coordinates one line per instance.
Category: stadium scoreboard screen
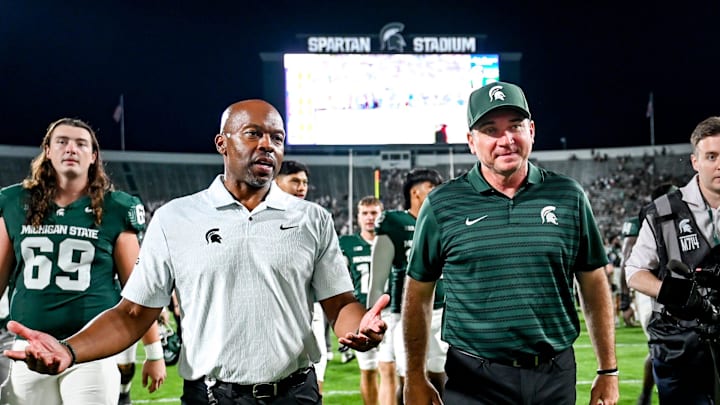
(391, 88)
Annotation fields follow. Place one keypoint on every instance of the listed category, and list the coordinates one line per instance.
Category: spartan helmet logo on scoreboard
(390, 37)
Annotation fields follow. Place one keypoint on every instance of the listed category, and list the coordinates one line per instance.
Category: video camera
(694, 294)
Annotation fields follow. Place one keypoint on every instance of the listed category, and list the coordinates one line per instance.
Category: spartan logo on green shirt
(548, 215)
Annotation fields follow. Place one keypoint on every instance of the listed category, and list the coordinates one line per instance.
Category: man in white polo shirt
(246, 261)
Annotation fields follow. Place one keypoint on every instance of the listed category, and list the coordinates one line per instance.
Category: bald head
(237, 114)
(252, 142)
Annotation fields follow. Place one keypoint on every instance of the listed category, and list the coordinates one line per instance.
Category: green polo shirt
(507, 263)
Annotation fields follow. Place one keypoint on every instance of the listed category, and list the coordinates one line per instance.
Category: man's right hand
(419, 390)
(43, 354)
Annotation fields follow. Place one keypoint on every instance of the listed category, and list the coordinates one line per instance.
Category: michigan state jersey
(357, 254)
(399, 226)
(631, 227)
(64, 273)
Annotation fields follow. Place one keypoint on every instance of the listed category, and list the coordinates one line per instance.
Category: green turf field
(342, 380)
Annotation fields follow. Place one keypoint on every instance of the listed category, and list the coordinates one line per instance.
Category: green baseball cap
(493, 96)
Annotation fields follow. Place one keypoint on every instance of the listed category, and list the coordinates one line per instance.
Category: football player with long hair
(65, 238)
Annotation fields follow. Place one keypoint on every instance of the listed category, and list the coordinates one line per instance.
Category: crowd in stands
(621, 193)
(617, 187)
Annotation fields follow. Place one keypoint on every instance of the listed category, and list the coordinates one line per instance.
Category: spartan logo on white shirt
(496, 93)
(213, 236)
(547, 215)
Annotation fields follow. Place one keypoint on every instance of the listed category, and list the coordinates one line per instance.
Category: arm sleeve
(382, 255)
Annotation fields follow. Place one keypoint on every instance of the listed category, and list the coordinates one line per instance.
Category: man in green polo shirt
(509, 239)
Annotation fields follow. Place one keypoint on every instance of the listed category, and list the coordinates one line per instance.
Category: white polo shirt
(246, 281)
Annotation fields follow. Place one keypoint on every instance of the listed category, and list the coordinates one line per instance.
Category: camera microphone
(679, 267)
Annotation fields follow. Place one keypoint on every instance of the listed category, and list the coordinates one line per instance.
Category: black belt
(522, 360)
(264, 390)
(519, 360)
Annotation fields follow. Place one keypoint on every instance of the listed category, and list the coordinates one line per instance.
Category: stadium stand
(617, 181)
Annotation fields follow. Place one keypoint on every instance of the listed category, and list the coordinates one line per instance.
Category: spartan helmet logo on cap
(390, 37)
(496, 93)
(548, 215)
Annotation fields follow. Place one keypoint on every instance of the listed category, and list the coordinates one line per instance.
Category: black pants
(477, 381)
(307, 393)
(684, 382)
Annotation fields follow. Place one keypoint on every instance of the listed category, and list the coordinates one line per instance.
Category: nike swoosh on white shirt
(469, 222)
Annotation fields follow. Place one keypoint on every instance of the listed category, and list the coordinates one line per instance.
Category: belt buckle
(533, 361)
(257, 389)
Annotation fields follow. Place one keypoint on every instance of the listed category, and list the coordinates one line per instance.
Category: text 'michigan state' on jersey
(399, 226)
(64, 273)
(508, 263)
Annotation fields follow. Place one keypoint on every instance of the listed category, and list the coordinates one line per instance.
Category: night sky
(587, 71)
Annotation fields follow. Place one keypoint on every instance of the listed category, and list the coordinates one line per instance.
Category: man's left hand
(604, 390)
(371, 330)
(153, 374)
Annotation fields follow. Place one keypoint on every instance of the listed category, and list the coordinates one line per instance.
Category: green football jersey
(631, 227)
(399, 226)
(64, 273)
(357, 254)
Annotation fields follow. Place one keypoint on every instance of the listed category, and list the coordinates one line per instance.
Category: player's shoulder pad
(132, 205)
(12, 190)
(10, 194)
(388, 220)
(348, 241)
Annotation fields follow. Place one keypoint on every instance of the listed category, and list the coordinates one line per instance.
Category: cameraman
(681, 225)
